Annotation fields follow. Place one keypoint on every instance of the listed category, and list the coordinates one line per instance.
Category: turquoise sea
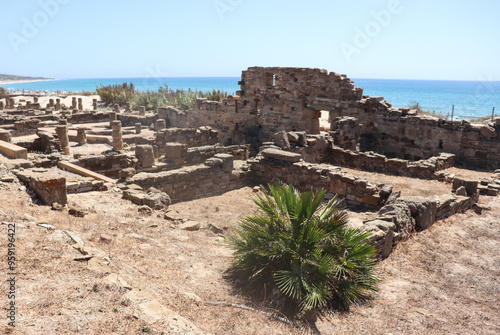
(471, 98)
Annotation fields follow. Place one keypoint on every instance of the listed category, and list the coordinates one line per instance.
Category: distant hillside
(12, 77)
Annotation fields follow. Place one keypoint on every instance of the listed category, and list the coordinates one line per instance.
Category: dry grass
(450, 270)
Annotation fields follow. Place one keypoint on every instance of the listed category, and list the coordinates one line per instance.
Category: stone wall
(273, 99)
(371, 161)
(278, 165)
(108, 165)
(191, 137)
(401, 218)
(214, 177)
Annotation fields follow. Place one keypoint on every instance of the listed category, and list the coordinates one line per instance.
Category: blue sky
(394, 39)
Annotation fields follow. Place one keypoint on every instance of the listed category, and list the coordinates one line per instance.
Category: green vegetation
(305, 249)
(182, 99)
(3, 92)
(12, 77)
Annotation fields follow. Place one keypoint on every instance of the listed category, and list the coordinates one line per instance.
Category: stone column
(142, 110)
(81, 137)
(1, 105)
(5, 135)
(62, 134)
(63, 122)
(117, 135)
(11, 102)
(73, 103)
(80, 104)
(116, 109)
(127, 107)
(51, 103)
(138, 128)
(94, 104)
(160, 124)
(112, 117)
(58, 104)
(35, 100)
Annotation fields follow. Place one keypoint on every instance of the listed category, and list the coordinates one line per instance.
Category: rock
(98, 265)
(57, 206)
(138, 237)
(293, 137)
(79, 213)
(478, 208)
(423, 210)
(488, 132)
(400, 214)
(59, 236)
(461, 191)
(29, 218)
(256, 189)
(105, 238)
(386, 191)
(190, 226)
(470, 185)
(2, 213)
(173, 216)
(154, 312)
(115, 280)
(8, 179)
(281, 155)
(126, 173)
(146, 210)
(281, 140)
(382, 235)
(156, 199)
(215, 229)
(75, 238)
(46, 225)
(192, 297)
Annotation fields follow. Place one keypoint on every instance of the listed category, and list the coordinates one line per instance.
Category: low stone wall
(399, 219)
(192, 137)
(108, 165)
(198, 155)
(214, 177)
(129, 120)
(77, 118)
(375, 162)
(285, 166)
(84, 185)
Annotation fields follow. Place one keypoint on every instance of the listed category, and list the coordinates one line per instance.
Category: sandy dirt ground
(441, 281)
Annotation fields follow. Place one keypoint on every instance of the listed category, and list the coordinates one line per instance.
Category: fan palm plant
(306, 249)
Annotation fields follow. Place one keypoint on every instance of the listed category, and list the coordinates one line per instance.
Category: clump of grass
(182, 99)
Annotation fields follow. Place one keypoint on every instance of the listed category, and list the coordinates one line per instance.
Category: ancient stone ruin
(306, 127)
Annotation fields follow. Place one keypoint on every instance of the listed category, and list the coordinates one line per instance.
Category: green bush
(305, 249)
(184, 100)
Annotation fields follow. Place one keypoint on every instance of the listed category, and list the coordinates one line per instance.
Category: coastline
(7, 82)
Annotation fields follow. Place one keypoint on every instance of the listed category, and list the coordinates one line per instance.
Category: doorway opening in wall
(324, 121)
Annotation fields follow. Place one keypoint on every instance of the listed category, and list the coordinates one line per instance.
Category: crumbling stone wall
(279, 165)
(214, 177)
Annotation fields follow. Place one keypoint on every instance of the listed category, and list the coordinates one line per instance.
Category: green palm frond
(305, 248)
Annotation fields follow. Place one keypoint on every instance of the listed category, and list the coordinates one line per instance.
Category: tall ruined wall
(403, 134)
(273, 99)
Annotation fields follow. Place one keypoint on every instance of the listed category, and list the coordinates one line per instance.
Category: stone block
(228, 162)
(144, 153)
(174, 150)
(281, 155)
(50, 188)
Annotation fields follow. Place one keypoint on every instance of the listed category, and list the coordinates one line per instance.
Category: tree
(306, 249)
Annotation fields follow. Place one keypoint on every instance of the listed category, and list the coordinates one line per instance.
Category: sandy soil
(5, 82)
(441, 281)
